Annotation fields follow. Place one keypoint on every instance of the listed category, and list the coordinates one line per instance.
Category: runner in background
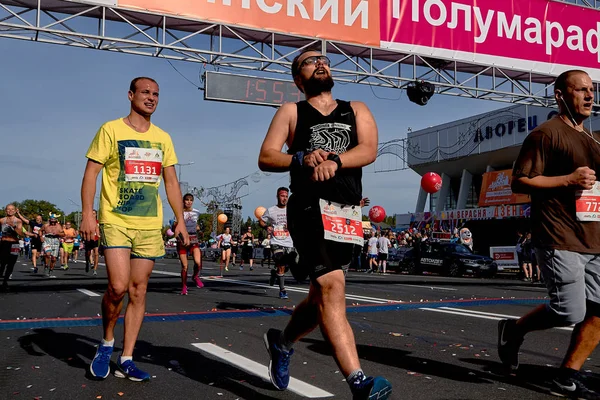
(190, 216)
(12, 231)
(91, 248)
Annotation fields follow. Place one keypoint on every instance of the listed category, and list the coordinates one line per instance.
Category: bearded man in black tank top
(329, 142)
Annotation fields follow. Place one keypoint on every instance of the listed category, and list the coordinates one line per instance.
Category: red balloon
(377, 214)
(431, 182)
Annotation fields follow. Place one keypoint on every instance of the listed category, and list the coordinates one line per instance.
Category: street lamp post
(78, 213)
(181, 166)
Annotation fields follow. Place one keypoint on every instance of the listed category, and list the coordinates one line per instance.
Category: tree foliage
(29, 208)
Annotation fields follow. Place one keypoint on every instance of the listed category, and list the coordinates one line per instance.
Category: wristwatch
(335, 158)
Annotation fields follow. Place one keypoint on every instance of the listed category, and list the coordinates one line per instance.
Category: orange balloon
(222, 218)
(258, 213)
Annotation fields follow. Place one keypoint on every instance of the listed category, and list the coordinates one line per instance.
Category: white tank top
(278, 218)
(190, 218)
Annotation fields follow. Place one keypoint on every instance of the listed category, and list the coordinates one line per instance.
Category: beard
(316, 85)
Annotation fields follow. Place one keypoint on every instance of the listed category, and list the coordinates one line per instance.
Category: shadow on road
(77, 350)
(531, 377)
(73, 349)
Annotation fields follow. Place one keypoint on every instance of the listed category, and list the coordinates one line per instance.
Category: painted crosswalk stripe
(301, 290)
(429, 287)
(480, 314)
(252, 367)
(88, 292)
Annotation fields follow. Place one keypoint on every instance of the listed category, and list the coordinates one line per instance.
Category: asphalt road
(433, 337)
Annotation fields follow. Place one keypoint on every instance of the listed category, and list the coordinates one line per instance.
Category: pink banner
(537, 35)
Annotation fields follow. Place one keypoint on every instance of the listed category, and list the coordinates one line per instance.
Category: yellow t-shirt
(133, 163)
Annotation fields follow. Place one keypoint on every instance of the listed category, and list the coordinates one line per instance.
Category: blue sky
(54, 99)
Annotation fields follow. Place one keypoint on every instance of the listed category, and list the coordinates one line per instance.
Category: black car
(452, 259)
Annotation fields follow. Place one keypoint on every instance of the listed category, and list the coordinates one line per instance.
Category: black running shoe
(509, 344)
(570, 384)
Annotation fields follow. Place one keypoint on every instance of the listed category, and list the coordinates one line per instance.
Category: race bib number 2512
(342, 223)
(143, 165)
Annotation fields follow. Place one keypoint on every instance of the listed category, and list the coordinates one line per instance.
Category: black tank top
(335, 133)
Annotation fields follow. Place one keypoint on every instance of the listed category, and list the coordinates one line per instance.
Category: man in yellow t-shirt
(132, 154)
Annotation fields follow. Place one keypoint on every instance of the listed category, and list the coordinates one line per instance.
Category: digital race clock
(249, 89)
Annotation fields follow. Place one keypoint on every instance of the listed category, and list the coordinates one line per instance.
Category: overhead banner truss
(104, 25)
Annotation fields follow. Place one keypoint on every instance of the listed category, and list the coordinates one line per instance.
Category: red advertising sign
(495, 190)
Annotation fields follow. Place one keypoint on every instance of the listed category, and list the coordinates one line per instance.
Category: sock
(196, 270)
(384, 265)
(108, 343)
(281, 282)
(355, 378)
(285, 344)
(125, 358)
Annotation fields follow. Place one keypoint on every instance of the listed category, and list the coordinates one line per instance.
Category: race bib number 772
(587, 204)
(342, 223)
(143, 165)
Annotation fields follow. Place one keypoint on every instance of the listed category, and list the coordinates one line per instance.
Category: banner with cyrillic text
(541, 36)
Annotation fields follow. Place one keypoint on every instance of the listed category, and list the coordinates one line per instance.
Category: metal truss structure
(217, 45)
(220, 46)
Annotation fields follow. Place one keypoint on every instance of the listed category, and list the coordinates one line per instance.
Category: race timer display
(249, 89)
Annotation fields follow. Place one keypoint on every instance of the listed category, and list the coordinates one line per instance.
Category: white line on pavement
(479, 314)
(88, 292)
(154, 271)
(300, 290)
(429, 287)
(254, 368)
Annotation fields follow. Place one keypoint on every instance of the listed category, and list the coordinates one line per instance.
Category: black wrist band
(335, 158)
(297, 161)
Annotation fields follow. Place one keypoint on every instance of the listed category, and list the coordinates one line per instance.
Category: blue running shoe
(100, 366)
(129, 370)
(280, 360)
(283, 295)
(377, 388)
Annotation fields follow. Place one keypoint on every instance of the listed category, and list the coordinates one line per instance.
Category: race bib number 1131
(143, 165)
(342, 224)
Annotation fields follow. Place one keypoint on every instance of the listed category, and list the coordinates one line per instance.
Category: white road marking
(301, 290)
(154, 271)
(528, 287)
(429, 287)
(480, 314)
(252, 367)
(88, 292)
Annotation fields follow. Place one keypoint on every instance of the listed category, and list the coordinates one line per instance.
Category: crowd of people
(44, 243)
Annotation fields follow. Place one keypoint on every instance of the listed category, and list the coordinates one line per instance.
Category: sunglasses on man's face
(313, 60)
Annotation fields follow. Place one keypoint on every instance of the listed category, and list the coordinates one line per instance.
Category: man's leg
(586, 335)
(118, 268)
(136, 307)
(95, 254)
(305, 318)
(34, 259)
(564, 276)
(281, 279)
(331, 302)
(584, 340)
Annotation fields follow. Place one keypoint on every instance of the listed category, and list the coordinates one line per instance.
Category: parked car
(396, 258)
(452, 259)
